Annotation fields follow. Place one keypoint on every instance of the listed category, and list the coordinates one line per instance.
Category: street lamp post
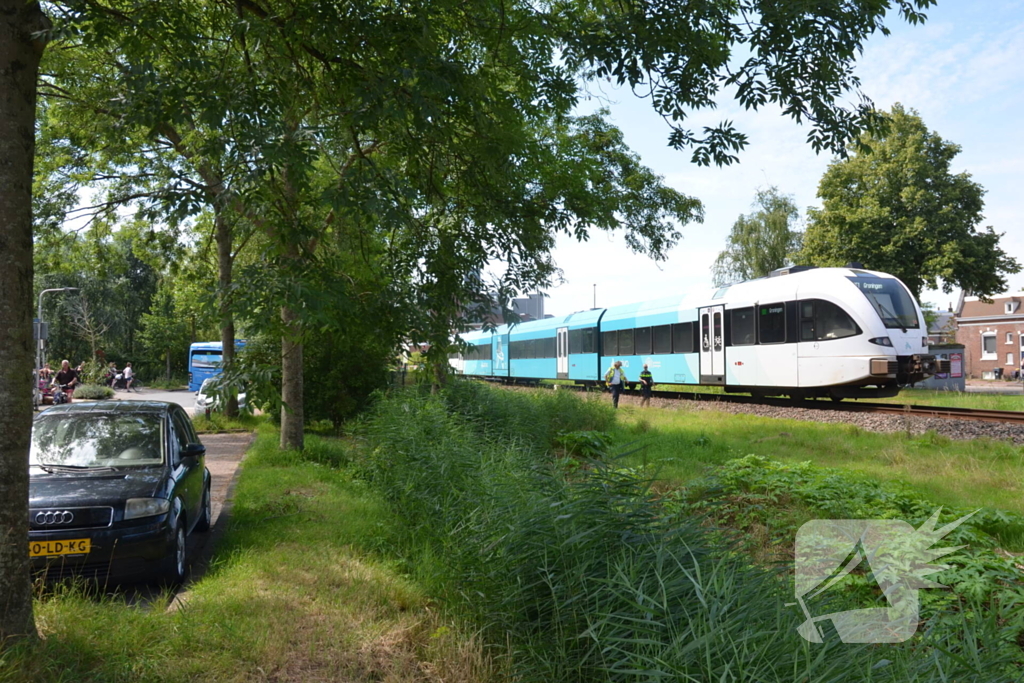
(39, 345)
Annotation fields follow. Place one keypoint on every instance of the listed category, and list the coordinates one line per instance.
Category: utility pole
(39, 344)
(595, 295)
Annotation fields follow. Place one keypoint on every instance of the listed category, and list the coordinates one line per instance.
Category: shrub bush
(93, 392)
(591, 578)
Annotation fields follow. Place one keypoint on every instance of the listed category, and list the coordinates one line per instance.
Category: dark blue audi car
(116, 487)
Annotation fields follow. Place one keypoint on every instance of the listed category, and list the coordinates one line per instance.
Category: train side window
(662, 339)
(822, 320)
(625, 342)
(642, 341)
(705, 332)
(718, 340)
(575, 341)
(832, 322)
(771, 323)
(682, 338)
(588, 345)
(550, 350)
(742, 331)
(610, 343)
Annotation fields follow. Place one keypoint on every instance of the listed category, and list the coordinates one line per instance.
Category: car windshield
(890, 300)
(97, 440)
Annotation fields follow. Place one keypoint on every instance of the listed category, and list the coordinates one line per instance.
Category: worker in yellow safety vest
(615, 378)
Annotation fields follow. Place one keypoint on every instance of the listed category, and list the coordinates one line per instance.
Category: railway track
(1003, 416)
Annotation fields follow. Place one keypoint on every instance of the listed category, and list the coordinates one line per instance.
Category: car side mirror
(193, 450)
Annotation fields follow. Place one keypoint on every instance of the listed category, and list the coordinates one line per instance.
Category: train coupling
(918, 367)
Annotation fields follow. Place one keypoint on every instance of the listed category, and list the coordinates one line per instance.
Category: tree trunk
(291, 382)
(225, 261)
(440, 375)
(167, 354)
(19, 65)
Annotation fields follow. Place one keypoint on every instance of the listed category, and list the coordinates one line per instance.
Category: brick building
(992, 335)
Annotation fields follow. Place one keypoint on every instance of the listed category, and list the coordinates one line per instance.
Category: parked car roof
(111, 407)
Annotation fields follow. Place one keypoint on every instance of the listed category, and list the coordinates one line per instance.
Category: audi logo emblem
(54, 517)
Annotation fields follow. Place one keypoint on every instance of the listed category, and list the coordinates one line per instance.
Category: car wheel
(206, 515)
(173, 573)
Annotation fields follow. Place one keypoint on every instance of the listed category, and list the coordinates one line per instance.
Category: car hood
(102, 487)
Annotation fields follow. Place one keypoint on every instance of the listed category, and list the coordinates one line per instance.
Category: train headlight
(881, 341)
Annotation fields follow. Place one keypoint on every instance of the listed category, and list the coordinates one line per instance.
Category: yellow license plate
(74, 546)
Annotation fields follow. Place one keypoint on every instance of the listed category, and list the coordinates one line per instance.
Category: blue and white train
(800, 332)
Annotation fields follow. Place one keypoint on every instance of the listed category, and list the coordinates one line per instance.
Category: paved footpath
(223, 455)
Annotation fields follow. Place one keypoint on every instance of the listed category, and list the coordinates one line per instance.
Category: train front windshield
(890, 300)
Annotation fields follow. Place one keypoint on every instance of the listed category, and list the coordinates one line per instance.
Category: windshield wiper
(885, 311)
(49, 467)
(44, 468)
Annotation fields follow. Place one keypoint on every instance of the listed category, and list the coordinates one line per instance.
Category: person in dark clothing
(646, 385)
(66, 379)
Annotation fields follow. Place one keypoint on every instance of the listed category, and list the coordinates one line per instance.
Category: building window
(988, 346)
(1009, 337)
(1009, 359)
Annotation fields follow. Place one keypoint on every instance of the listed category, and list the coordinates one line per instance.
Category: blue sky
(963, 71)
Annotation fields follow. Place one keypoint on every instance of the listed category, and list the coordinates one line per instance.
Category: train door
(562, 352)
(712, 344)
(499, 364)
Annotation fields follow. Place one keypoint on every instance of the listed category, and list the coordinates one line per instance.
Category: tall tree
(22, 26)
(397, 100)
(761, 241)
(895, 206)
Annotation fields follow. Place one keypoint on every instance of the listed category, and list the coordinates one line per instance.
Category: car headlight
(146, 507)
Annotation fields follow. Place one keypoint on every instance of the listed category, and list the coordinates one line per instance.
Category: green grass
(218, 422)
(303, 587)
(172, 384)
(585, 572)
(958, 399)
(681, 444)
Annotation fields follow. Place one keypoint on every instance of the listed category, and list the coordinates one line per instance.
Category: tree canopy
(896, 206)
(761, 241)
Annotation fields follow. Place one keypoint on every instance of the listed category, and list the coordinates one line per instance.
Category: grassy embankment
(303, 587)
(683, 442)
(586, 574)
(929, 397)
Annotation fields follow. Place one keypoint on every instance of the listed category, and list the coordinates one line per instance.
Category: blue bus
(204, 361)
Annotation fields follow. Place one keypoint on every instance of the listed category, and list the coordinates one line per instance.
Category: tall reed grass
(589, 577)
